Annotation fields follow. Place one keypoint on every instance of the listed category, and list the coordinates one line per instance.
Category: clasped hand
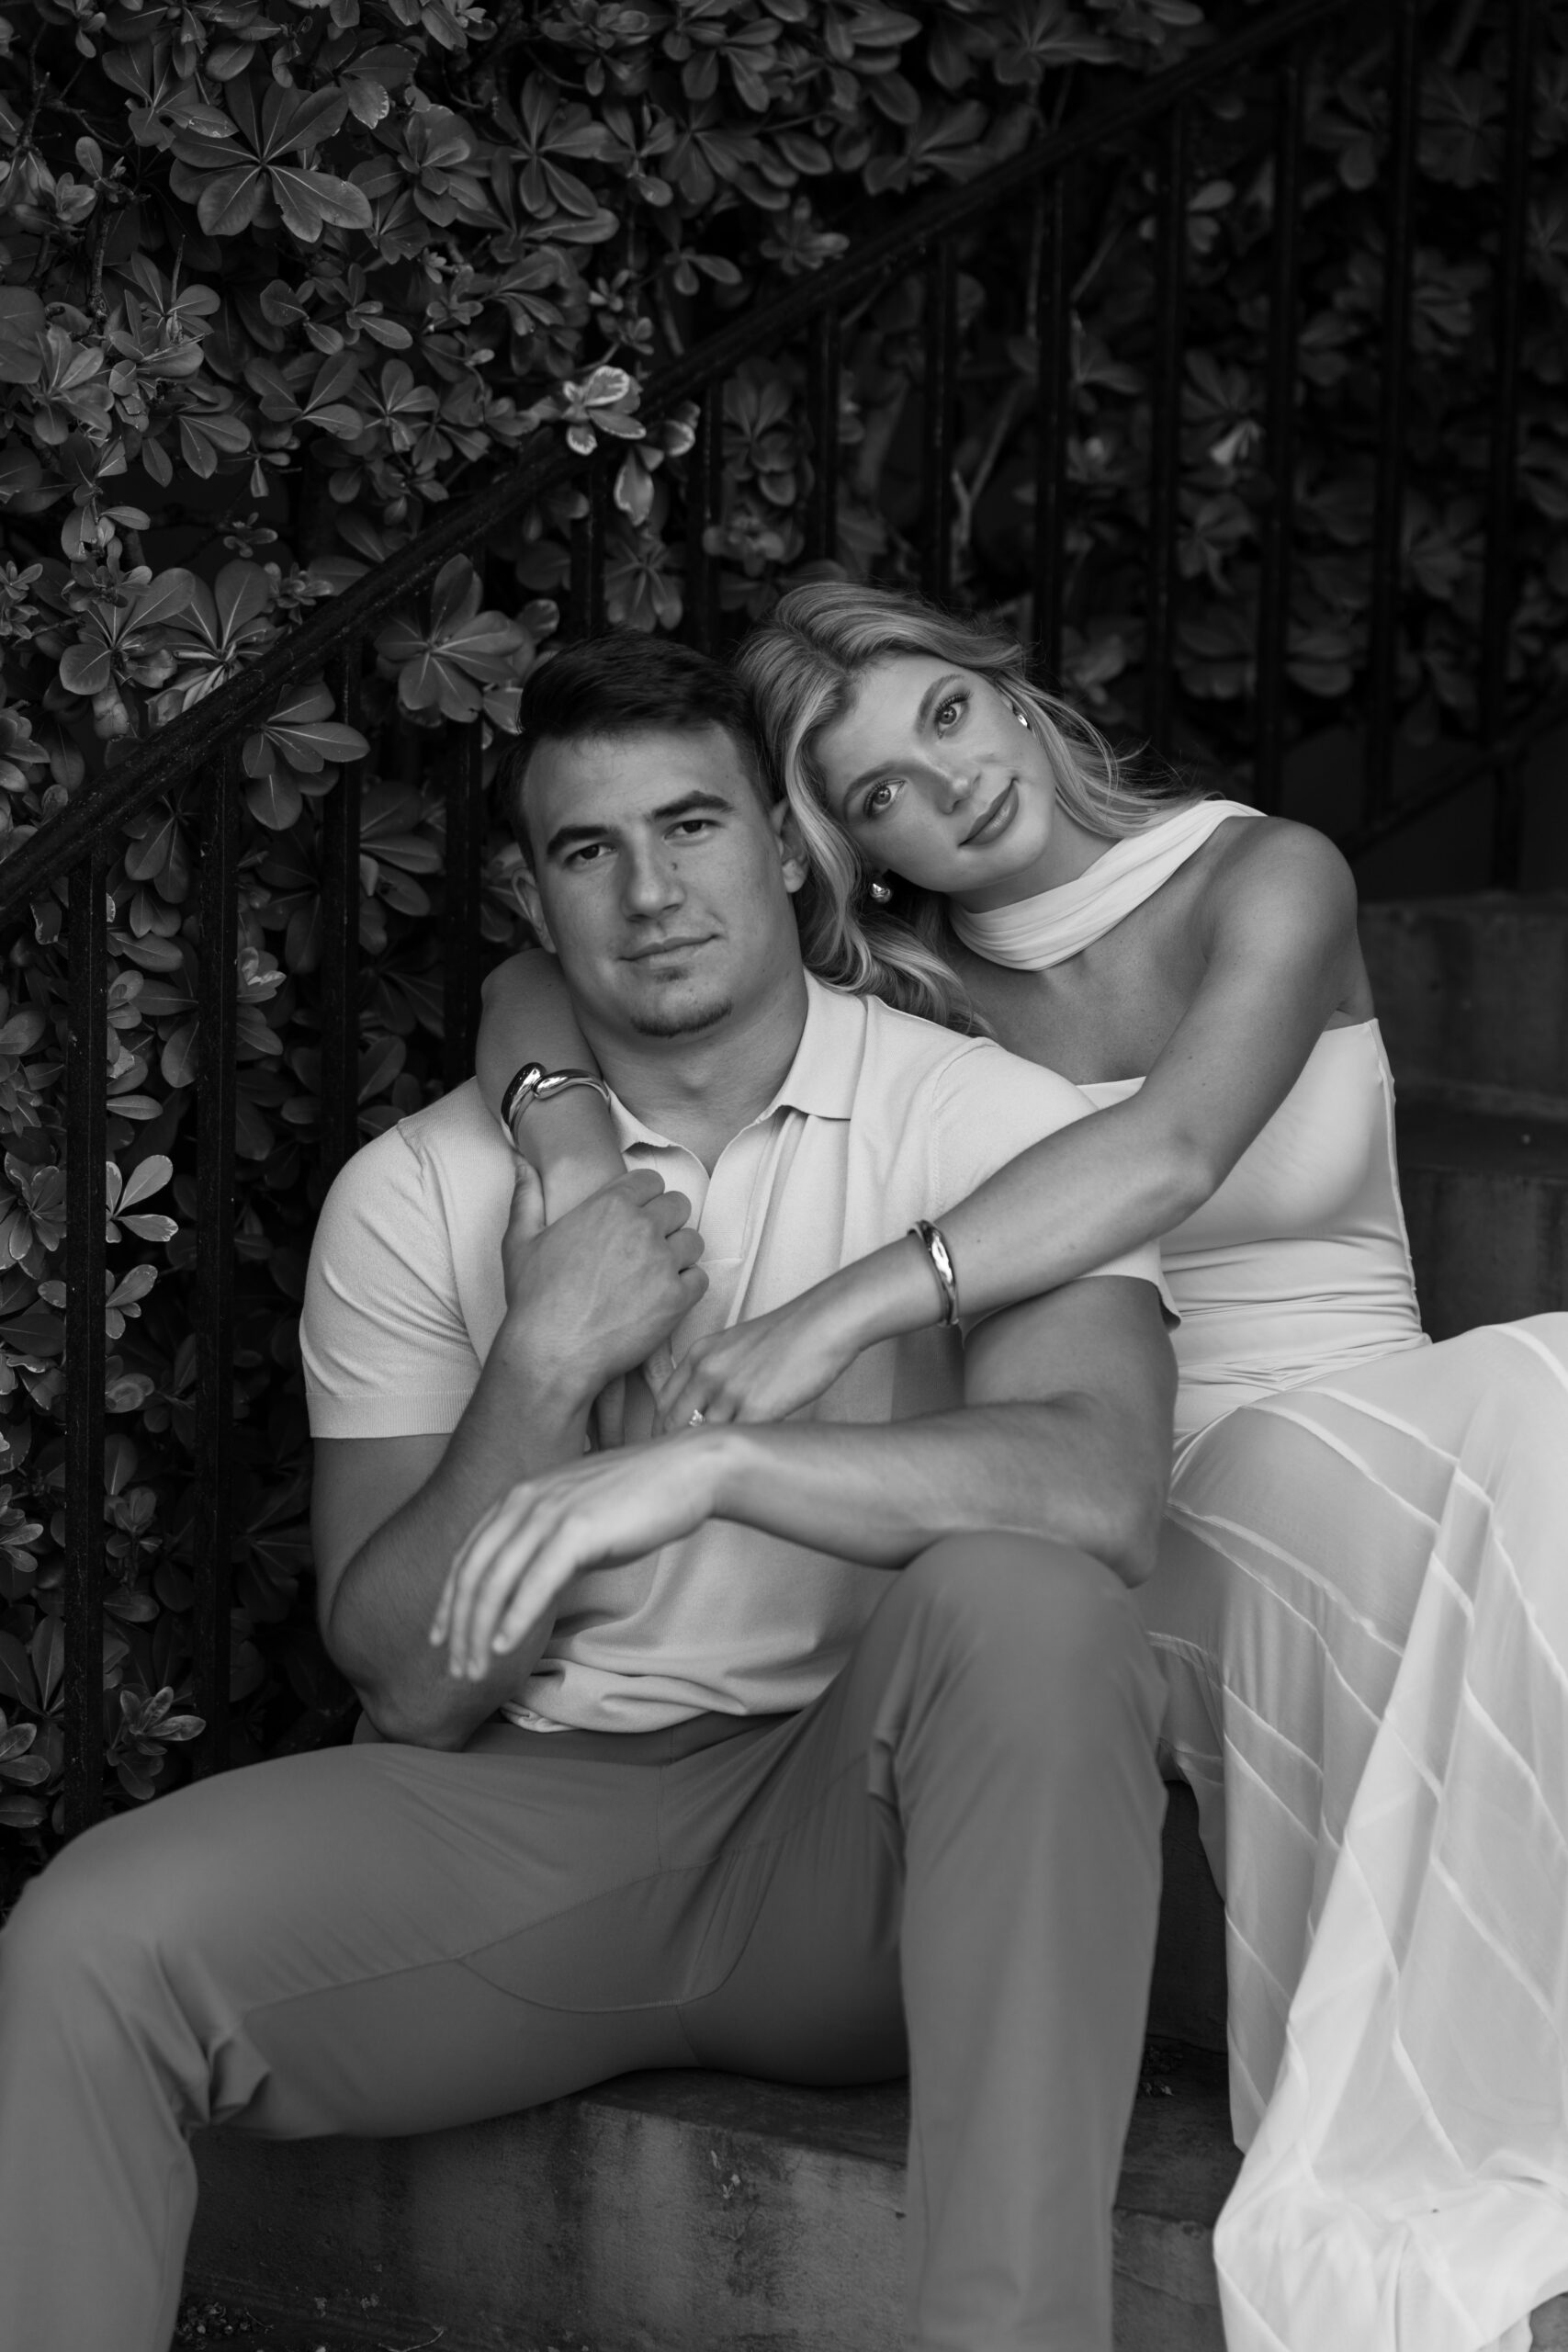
(591, 1295)
(587, 1298)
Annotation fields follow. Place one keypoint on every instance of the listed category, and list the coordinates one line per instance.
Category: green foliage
(279, 282)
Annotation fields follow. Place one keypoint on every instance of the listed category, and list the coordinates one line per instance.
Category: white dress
(1361, 1611)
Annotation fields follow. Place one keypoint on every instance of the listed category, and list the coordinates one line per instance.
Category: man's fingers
(686, 1247)
(526, 1221)
(670, 1211)
(471, 1568)
(645, 1186)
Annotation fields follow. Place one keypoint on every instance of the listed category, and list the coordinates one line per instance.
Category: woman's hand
(504, 1586)
(765, 1369)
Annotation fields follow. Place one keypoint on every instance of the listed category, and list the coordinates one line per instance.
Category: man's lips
(665, 947)
(995, 816)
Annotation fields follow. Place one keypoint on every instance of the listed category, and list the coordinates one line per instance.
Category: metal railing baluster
(216, 887)
(940, 417)
(1388, 515)
(823, 368)
(338, 849)
(1280, 435)
(1054, 337)
(1497, 603)
(1165, 427)
(705, 507)
(87, 1086)
(588, 535)
(460, 919)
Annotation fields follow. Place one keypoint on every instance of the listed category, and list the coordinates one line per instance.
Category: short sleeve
(386, 1348)
(991, 1105)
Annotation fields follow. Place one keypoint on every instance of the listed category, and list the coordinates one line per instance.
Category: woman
(1358, 1608)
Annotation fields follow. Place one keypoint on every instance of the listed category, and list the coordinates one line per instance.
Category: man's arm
(1067, 1434)
(586, 1299)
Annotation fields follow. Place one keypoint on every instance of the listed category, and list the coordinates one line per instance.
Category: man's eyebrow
(574, 836)
(928, 701)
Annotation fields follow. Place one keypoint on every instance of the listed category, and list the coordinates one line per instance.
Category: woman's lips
(994, 821)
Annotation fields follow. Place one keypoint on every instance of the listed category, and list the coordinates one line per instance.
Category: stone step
(1486, 1201)
(676, 2212)
(1473, 995)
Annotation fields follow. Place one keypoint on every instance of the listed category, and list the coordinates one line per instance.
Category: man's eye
(589, 854)
(689, 826)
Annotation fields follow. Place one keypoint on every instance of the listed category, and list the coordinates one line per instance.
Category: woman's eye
(950, 712)
(879, 799)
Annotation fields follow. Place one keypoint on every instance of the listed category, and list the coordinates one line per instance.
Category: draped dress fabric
(1360, 1609)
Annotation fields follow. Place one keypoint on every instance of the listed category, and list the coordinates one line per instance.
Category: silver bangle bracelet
(933, 1241)
(534, 1083)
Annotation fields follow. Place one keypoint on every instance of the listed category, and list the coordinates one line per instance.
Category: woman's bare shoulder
(1273, 868)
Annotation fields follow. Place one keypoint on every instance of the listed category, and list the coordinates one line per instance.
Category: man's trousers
(958, 1843)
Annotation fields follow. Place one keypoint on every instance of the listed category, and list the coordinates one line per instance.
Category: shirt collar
(821, 1080)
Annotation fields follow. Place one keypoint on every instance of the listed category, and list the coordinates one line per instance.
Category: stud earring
(881, 893)
(1021, 716)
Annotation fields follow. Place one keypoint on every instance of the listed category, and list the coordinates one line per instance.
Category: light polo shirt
(883, 1119)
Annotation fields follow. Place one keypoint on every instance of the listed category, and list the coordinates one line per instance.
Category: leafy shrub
(279, 283)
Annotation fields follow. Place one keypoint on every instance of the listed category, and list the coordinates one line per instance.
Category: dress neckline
(1033, 933)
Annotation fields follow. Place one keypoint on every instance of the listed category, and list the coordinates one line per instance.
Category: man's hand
(591, 1295)
(507, 1580)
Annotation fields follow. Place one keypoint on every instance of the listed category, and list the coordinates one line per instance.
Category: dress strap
(1033, 934)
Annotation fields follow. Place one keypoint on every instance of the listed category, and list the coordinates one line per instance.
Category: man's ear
(793, 861)
(526, 892)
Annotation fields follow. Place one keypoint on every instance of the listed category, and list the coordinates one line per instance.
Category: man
(752, 1748)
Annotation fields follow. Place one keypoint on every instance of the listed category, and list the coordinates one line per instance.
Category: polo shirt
(882, 1119)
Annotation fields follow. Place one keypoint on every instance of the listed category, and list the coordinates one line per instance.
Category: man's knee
(99, 1928)
(1037, 1621)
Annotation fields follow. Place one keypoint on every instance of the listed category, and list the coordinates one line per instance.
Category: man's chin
(682, 1020)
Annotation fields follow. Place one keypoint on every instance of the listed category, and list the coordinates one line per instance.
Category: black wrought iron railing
(198, 754)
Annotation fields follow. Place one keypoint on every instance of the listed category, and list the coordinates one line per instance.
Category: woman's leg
(1372, 1574)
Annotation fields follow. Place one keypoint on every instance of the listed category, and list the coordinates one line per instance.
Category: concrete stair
(1472, 994)
(705, 2214)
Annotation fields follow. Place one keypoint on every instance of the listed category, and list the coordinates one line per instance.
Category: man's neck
(699, 1090)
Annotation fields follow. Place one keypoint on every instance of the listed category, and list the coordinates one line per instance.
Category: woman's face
(934, 777)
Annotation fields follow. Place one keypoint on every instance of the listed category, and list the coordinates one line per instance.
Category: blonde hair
(801, 668)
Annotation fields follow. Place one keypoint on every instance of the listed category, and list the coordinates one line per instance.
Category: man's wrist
(549, 1387)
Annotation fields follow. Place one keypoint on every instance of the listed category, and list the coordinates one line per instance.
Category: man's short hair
(625, 683)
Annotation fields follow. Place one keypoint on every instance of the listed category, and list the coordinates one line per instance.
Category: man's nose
(652, 885)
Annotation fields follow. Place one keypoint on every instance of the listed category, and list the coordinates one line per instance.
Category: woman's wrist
(884, 1295)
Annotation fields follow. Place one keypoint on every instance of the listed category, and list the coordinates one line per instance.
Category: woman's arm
(527, 1017)
(1282, 957)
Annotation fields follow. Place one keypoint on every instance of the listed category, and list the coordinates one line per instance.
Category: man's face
(659, 880)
